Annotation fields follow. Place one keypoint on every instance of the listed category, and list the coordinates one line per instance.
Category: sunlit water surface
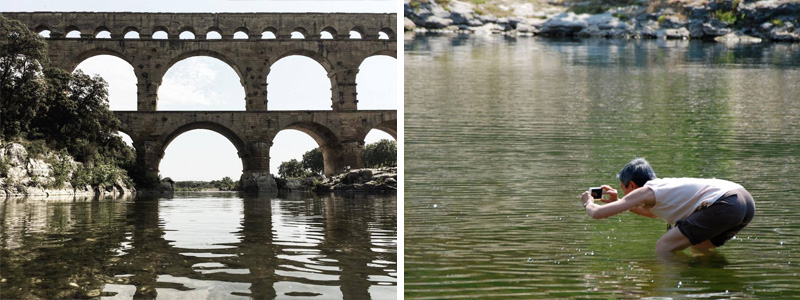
(503, 134)
(201, 246)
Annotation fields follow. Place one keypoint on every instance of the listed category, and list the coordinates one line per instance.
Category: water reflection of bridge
(344, 258)
(297, 246)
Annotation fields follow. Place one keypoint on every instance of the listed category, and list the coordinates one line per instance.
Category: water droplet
(527, 216)
(680, 283)
(781, 243)
(530, 259)
(435, 205)
(592, 253)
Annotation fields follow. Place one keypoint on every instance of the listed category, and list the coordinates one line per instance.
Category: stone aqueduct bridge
(340, 133)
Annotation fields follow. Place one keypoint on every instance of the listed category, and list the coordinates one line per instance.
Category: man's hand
(586, 197)
(612, 194)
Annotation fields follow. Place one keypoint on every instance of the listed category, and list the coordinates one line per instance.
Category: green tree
(380, 154)
(227, 184)
(67, 111)
(292, 169)
(22, 54)
(313, 161)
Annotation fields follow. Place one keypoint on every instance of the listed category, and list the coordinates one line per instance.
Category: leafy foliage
(380, 154)
(292, 169)
(314, 161)
(21, 86)
(57, 110)
(226, 184)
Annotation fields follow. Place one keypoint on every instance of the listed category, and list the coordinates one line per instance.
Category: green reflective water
(503, 134)
(201, 246)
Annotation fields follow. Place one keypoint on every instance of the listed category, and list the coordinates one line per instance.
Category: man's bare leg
(703, 248)
(670, 242)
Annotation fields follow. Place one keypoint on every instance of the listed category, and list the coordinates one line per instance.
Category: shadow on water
(218, 245)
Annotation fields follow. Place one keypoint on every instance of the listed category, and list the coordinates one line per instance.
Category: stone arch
(223, 130)
(322, 60)
(158, 28)
(360, 30)
(244, 30)
(100, 29)
(331, 31)
(208, 53)
(69, 29)
(270, 29)
(189, 29)
(42, 27)
(387, 52)
(130, 29)
(317, 78)
(76, 60)
(302, 31)
(326, 139)
(228, 133)
(389, 126)
(389, 33)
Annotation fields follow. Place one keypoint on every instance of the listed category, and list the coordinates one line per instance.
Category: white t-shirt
(677, 198)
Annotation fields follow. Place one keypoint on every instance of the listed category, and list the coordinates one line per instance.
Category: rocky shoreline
(46, 175)
(359, 180)
(723, 20)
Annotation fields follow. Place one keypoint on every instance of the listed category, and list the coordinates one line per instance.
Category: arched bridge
(248, 42)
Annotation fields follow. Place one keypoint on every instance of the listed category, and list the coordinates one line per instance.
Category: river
(503, 134)
(201, 246)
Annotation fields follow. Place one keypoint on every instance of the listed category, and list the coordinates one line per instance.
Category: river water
(503, 134)
(201, 246)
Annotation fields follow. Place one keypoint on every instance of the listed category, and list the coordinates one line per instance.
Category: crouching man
(703, 213)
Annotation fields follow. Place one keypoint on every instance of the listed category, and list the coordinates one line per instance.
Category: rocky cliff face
(720, 20)
(46, 175)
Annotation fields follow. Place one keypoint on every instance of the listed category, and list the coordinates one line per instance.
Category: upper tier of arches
(230, 26)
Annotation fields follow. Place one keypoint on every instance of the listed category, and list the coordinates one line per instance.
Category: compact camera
(597, 192)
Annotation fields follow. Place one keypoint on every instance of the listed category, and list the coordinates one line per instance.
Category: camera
(597, 192)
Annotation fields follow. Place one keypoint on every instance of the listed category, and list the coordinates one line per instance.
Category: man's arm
(635, 199)
(644, 212)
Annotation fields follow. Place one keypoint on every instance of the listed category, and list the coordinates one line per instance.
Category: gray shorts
(719, 222)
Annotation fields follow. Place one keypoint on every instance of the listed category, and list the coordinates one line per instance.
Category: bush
(726, 16)
(292, 169)
(380, 154)
(777, 22)
(314, 161)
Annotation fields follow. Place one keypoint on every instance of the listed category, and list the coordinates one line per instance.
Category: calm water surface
(201, 246)
(502, 135)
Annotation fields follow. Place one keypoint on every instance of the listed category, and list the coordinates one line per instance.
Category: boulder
(680, 33)
(435, 22)
(258, 183)
(764, 11)
(409, 25)
(567, 23)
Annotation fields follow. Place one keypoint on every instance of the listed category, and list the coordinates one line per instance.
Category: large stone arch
(84, 55)
(232, 136)
(389, 127)
(203, 52)
(326, 139)
(321, 60)
(80, 57)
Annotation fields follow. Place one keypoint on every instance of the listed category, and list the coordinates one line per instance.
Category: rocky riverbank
(48, 175)
(360, 180)
(722, 20)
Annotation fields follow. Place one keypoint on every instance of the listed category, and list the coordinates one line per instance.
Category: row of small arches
(214, 34)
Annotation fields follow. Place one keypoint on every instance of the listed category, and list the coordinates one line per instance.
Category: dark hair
(637, 170)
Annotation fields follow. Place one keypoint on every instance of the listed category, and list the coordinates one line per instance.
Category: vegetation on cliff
(50, 110)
